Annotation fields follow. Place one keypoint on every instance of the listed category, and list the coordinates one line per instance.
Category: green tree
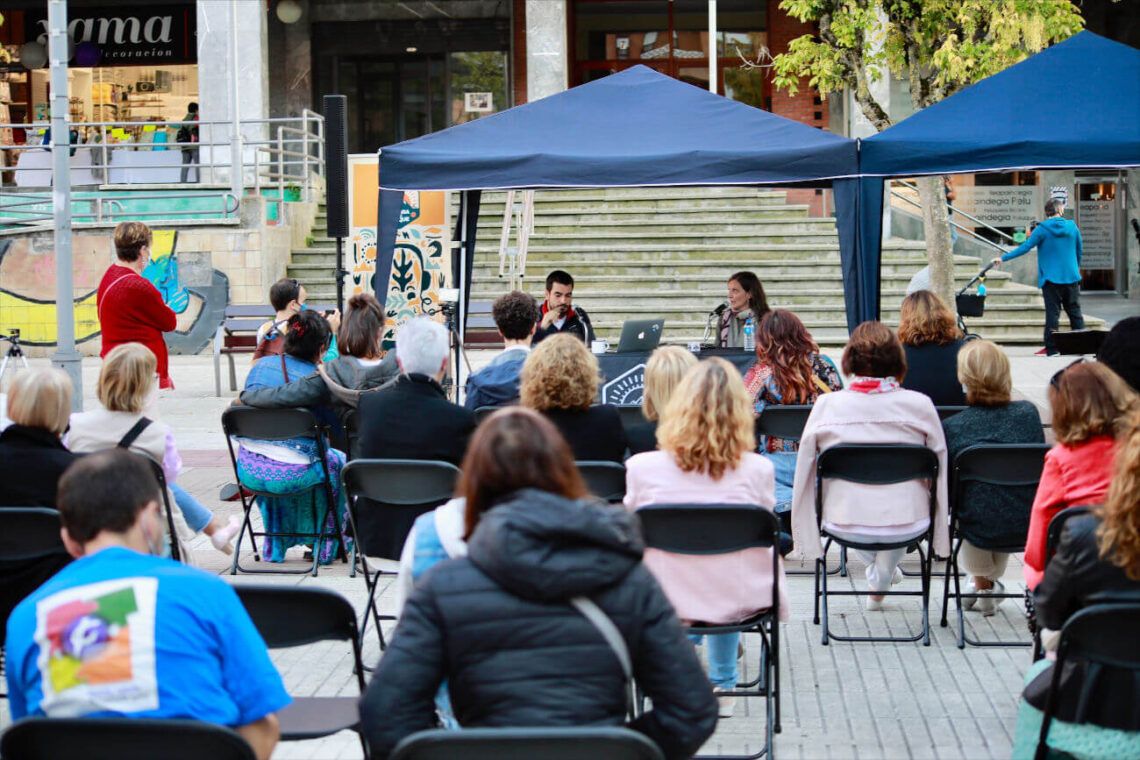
(937, 46)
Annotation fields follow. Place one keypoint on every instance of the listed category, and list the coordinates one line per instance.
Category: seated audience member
(989, 516)
(39, 404)
(874, 408)
(1089, 403)
(130, 634)
(127, 391)
(361, 366)
(411, 418)
(707, 441)
(492, 623)
(931, 341)
(1097, 561)
(497, 384)
(789, 369)
(746, 300)
(289, 467)
(287, 296)
(663, 372)
(1121, 351)
(558, 313)
(560, 379)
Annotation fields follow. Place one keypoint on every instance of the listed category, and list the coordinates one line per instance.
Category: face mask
(304, 307)
(965, 389)
(156, 547)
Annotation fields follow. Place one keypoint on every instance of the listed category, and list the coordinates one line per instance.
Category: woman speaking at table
(746, 301)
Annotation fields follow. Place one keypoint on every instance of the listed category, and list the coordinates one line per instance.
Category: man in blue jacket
(497, 384)
(1058, 243)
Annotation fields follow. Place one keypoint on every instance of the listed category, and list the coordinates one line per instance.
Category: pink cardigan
(723, 588)
(898, 416)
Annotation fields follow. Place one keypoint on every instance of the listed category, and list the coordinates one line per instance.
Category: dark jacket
(994, 517)
(33, 460)
(933, 370)
(576, 324)
(642, 437)
(497, 384)
(498, 627)
(1075, 578)
(594, 434)
(411, 418)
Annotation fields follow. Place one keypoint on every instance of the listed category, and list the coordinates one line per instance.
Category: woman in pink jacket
(1089, 402)
(707, 456)
(873, 409)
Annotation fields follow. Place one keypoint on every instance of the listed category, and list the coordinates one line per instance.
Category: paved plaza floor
(840, 701)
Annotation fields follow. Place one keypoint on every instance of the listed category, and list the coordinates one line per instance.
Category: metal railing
(276, 153)
(962, 229)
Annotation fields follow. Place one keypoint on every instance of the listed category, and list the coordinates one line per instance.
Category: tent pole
(464, 205)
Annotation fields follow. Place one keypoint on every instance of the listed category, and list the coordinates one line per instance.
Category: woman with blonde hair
(931, 341)
(707, 456)
(560, 379)
(663, 372)
(1097, 561)
(989, 516)
(1090, 403)
(127, 391)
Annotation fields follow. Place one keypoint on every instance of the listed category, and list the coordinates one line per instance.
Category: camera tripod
(14, 352)
(457, 347)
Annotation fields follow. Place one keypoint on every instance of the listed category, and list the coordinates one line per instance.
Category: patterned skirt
(292, 512)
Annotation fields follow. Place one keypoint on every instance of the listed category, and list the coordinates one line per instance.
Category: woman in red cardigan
(1089, 402)
(131, 309)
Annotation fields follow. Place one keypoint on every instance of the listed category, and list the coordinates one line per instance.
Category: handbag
(616, 642)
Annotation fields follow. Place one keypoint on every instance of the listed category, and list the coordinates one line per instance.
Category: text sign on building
(1097, 220)
(128, 35)
(1001, 206)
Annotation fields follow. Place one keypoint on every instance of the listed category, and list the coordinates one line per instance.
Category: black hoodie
(497, 626)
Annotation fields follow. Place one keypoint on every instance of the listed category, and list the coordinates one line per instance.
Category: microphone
(720, 309)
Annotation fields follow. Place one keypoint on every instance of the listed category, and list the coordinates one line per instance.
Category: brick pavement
(840, 701)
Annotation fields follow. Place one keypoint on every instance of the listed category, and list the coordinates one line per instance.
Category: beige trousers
(982, 562)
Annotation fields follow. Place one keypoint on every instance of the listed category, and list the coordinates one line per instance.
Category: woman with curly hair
(560, 379)
(1098, 560)
(931, 341)
(706, 456)
(664, 370)
(789, 369)
(746, 300)
(1090, 403)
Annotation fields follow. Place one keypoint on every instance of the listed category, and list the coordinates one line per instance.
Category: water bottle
(749, 338)
(981, 289)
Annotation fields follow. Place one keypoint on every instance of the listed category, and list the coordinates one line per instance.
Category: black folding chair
(606, 480)
(594, 743)
(788, 422)
(484, 412)
(1052, 541)
(293, 616)
(1102, 636)
(710, 529)
(1003, 465)
(164, 489)
(385, 496)
(121, 739)
(631, 414)
(876, 464)
(280, 425)
(947, 411)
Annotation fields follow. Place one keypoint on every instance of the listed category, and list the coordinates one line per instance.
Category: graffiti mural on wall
(196, 292)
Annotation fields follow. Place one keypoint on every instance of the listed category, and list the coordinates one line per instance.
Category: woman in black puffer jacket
(498, 626)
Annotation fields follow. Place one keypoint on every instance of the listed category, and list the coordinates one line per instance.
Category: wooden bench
(238, 335)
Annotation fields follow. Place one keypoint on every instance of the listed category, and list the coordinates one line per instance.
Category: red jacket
(1073, 476)
(131, 310)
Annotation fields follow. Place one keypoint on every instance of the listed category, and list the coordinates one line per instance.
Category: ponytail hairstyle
(307, 336)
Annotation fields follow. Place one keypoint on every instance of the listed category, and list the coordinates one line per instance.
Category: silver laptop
(640, 335)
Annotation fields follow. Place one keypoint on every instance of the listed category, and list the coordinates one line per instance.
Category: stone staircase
(313, 265)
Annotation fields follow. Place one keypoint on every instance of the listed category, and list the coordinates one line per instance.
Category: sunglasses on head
(1055, 381)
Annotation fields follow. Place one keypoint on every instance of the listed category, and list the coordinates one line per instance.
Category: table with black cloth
(623, 375)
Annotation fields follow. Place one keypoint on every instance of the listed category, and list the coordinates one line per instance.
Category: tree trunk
(939, 252)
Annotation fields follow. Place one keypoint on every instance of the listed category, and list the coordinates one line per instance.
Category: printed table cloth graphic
(97, 648)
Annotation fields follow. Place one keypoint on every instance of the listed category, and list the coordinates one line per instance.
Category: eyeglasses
(1055, 381)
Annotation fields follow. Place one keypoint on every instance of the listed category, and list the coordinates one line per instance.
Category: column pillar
(547, 61)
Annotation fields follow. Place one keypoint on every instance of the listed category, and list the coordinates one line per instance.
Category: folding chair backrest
(708, 528)
(948, 411)
(1057, 526)
(28, 533)
(631, 415)
(606, 480)
(403, 482)
(167, 507)
(121, 739)
(1001, 464)
(877, 464)
(290, 616)
(1104, 634)
(268, 424)
(527, 744)
(484, 412)
(785, 422)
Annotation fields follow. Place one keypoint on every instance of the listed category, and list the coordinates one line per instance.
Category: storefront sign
(125, 35)
(1097, 220)
(478, 102)
(1014, 206)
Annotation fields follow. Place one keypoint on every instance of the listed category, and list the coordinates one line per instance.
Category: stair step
(643, 215)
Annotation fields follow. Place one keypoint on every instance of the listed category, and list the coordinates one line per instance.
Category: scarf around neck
(872, 385)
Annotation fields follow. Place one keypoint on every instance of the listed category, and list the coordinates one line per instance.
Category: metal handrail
(104, 209)
(977, 222)
(965, 230)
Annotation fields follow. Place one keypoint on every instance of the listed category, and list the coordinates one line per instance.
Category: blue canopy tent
(1074, 105)
(634, 128)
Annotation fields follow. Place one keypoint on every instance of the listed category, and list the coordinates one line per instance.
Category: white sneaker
(874, 605)
(969, 602)
(223, 536)
(987, 604)
(726, 706)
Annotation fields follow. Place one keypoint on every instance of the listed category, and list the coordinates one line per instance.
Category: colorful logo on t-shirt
(97, 648)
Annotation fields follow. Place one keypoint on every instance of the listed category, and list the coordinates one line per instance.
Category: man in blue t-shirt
(122, 632)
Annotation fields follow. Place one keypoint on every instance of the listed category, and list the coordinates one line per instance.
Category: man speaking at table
(558, 315)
